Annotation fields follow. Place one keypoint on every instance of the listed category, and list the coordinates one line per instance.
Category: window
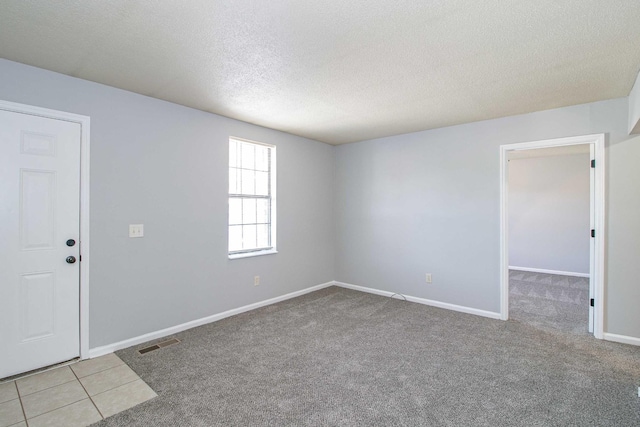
(251, 198)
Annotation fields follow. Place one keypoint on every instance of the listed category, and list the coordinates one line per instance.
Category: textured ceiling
(338, 71)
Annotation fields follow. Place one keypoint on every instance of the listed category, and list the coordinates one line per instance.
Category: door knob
(71, 259)
(71, 242)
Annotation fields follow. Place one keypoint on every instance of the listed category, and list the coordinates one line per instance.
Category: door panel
(37, 305)
(39, 211)
(37, 207)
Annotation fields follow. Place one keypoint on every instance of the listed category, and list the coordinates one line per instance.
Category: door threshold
(39, 370)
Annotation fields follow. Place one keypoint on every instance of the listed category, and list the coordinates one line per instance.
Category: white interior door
(39, 230)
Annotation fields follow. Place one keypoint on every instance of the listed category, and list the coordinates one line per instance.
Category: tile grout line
(97, 372)
(48, 412)
(123, 384)
(48, 388)
(24, 414)
(26, 420)
(88, 395)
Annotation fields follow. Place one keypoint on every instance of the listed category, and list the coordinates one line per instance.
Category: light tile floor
(74, 395)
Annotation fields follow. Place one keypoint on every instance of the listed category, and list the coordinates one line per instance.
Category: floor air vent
(158, 346)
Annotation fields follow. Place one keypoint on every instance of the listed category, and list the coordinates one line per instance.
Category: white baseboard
(432, 303)
(106, 349)
(542, 270)
(621, 339)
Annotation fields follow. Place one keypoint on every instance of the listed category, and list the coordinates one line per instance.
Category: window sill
(252, 254)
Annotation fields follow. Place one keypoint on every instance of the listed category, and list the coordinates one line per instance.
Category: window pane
(263, 236)
(250, 215)
(262, 183)
(235, 238)
(262, 215)
(248, 152)
(233, 150)
(249, 237)
(233, 181)
(249, 211)
(262, 158)
(248, 182)
(235, 211)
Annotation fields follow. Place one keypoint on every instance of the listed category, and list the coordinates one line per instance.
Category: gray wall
(549, 201)
(166, 166)
(428, 202)
(634, 107)
(623, 228)
(402, 206)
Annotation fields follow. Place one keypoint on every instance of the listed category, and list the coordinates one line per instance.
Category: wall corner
(634, 107)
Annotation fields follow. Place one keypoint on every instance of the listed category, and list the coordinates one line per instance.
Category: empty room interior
(319, 213)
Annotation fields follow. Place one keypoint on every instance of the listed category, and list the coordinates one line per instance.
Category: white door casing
(596, 270)
(592, 241)
(40, 171)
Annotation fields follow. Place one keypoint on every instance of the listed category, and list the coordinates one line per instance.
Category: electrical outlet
(136, 230)
(428, 277)
(256, 280)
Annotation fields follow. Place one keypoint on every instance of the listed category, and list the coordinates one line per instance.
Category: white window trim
(273, 168)
(252, 254)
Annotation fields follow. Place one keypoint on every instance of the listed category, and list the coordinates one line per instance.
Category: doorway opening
(556, 289)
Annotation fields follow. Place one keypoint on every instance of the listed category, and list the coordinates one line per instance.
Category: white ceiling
(338, 71)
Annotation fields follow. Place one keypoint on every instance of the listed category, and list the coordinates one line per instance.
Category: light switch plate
(136, 230)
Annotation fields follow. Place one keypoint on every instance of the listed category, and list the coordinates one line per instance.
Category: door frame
(597, 255)
(84, 122)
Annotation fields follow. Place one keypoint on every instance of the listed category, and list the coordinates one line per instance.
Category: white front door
(39, 241)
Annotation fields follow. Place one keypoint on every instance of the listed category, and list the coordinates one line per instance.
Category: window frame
(246, 253)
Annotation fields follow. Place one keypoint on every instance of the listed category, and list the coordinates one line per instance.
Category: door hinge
(593, 233)
(592, 303)
(593, 163)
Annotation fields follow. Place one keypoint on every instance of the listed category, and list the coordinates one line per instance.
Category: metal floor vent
(158, 346)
